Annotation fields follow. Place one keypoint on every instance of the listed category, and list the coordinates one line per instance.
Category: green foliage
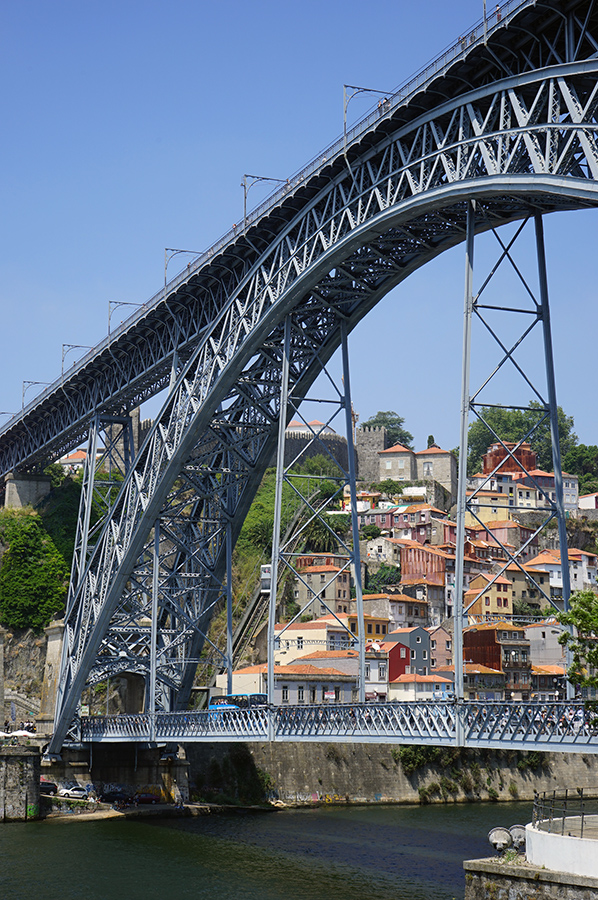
(583, 462)
(583, 643)
(323, 537)
(56, 473)
(492, 794)
(370, 532)
(393, 423)
(59, 513)
(33, 576)
(513, 425)
(378, 581)
(389, 488)
(431, 441)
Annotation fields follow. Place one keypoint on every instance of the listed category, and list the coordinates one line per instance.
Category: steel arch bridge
(507, 118)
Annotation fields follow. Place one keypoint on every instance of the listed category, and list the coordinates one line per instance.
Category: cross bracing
(510, 122)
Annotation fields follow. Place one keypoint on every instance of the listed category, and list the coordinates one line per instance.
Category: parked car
(116, 796)
(47, 787)
(146, 797)
(73, 793)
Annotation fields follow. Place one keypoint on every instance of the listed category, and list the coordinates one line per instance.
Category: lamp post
(66, 348)
(247, 185)
(347, 99)
(114, 304)
(169, 252)
(25, 389)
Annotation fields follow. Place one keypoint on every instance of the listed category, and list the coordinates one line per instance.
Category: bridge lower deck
(564, 727)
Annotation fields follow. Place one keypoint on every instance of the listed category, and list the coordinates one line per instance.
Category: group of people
(23, 726)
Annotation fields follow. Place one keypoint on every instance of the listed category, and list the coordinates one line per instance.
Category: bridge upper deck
(134, 362)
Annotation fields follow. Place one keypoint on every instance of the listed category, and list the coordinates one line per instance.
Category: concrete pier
(19, 783)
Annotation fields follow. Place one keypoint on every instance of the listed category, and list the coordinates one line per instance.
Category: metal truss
(518, 101)
(554, 727)
(328, 247)
(307, 488)
(497, 320)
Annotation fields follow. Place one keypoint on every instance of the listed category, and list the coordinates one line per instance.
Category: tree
(33, 577)
(393, 423)
(513, 425)
(323, 537)
(583, 642)
(370, 532)
(431, 441)
(389, 487)
(583, 462)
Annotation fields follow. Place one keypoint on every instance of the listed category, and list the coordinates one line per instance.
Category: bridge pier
(45, 720)
(25, 490)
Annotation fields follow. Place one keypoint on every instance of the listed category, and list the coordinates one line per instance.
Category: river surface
(330, 853)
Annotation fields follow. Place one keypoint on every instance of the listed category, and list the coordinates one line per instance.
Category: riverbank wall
(19, 783)
(494, 879)
(306, 773)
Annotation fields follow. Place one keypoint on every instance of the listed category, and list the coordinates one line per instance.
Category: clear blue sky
(127, 128)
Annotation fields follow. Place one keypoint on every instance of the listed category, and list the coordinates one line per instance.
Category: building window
(449, 645)
(299, 643)
(424, 654)
(433, 645)
(427, 470)
(413, 654)
(337, 694)
(312, 694)
(389, 463)
(285, 693)
(300, 696)
(367, 670)
(384, 629)
(402, 653)
(353, 627)
(418, 640)
(377, 629)
(369, 628)
(382, 671)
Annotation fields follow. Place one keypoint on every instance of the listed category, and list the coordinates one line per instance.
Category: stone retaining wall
(19, 783)
(494, 879)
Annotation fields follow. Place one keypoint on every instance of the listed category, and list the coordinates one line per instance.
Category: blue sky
(128, 127)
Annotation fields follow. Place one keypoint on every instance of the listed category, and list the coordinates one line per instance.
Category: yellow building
(489, 506)
(489, 599)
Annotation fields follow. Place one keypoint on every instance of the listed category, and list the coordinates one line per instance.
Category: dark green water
(343, 853)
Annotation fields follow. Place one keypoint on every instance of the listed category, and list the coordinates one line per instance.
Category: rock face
(24, 659)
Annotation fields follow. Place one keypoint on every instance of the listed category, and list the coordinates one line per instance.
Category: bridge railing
(399, 96)
(546, 726)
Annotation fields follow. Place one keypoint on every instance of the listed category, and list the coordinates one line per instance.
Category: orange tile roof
(548, 670)
(398, 448)
(420, 679)
(433, 450)
(287, 670)
(435, 578)
(470, 669)
(331, 654)
(316, 569)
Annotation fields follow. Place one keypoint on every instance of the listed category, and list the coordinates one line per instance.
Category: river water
(330, 853)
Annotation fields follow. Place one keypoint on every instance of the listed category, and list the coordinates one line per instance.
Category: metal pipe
(284, 399)
(554, 424)
(154, 630)
(354, 522)
(462, 484)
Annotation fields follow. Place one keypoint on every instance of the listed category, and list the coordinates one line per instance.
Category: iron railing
(562, 813)
(552, 726)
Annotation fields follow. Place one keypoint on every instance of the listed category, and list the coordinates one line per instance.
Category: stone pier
(25, 490)
(19, 783)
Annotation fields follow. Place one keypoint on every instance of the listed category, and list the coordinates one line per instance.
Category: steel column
(462, 483)
(354, 522)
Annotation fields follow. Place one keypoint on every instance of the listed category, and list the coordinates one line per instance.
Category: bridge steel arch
(518, 133)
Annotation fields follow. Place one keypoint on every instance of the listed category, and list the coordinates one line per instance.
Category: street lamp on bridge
(360, 90)
(247, 185)
(114, 304)
(25, 389)
(66, 348)
(169, 252)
